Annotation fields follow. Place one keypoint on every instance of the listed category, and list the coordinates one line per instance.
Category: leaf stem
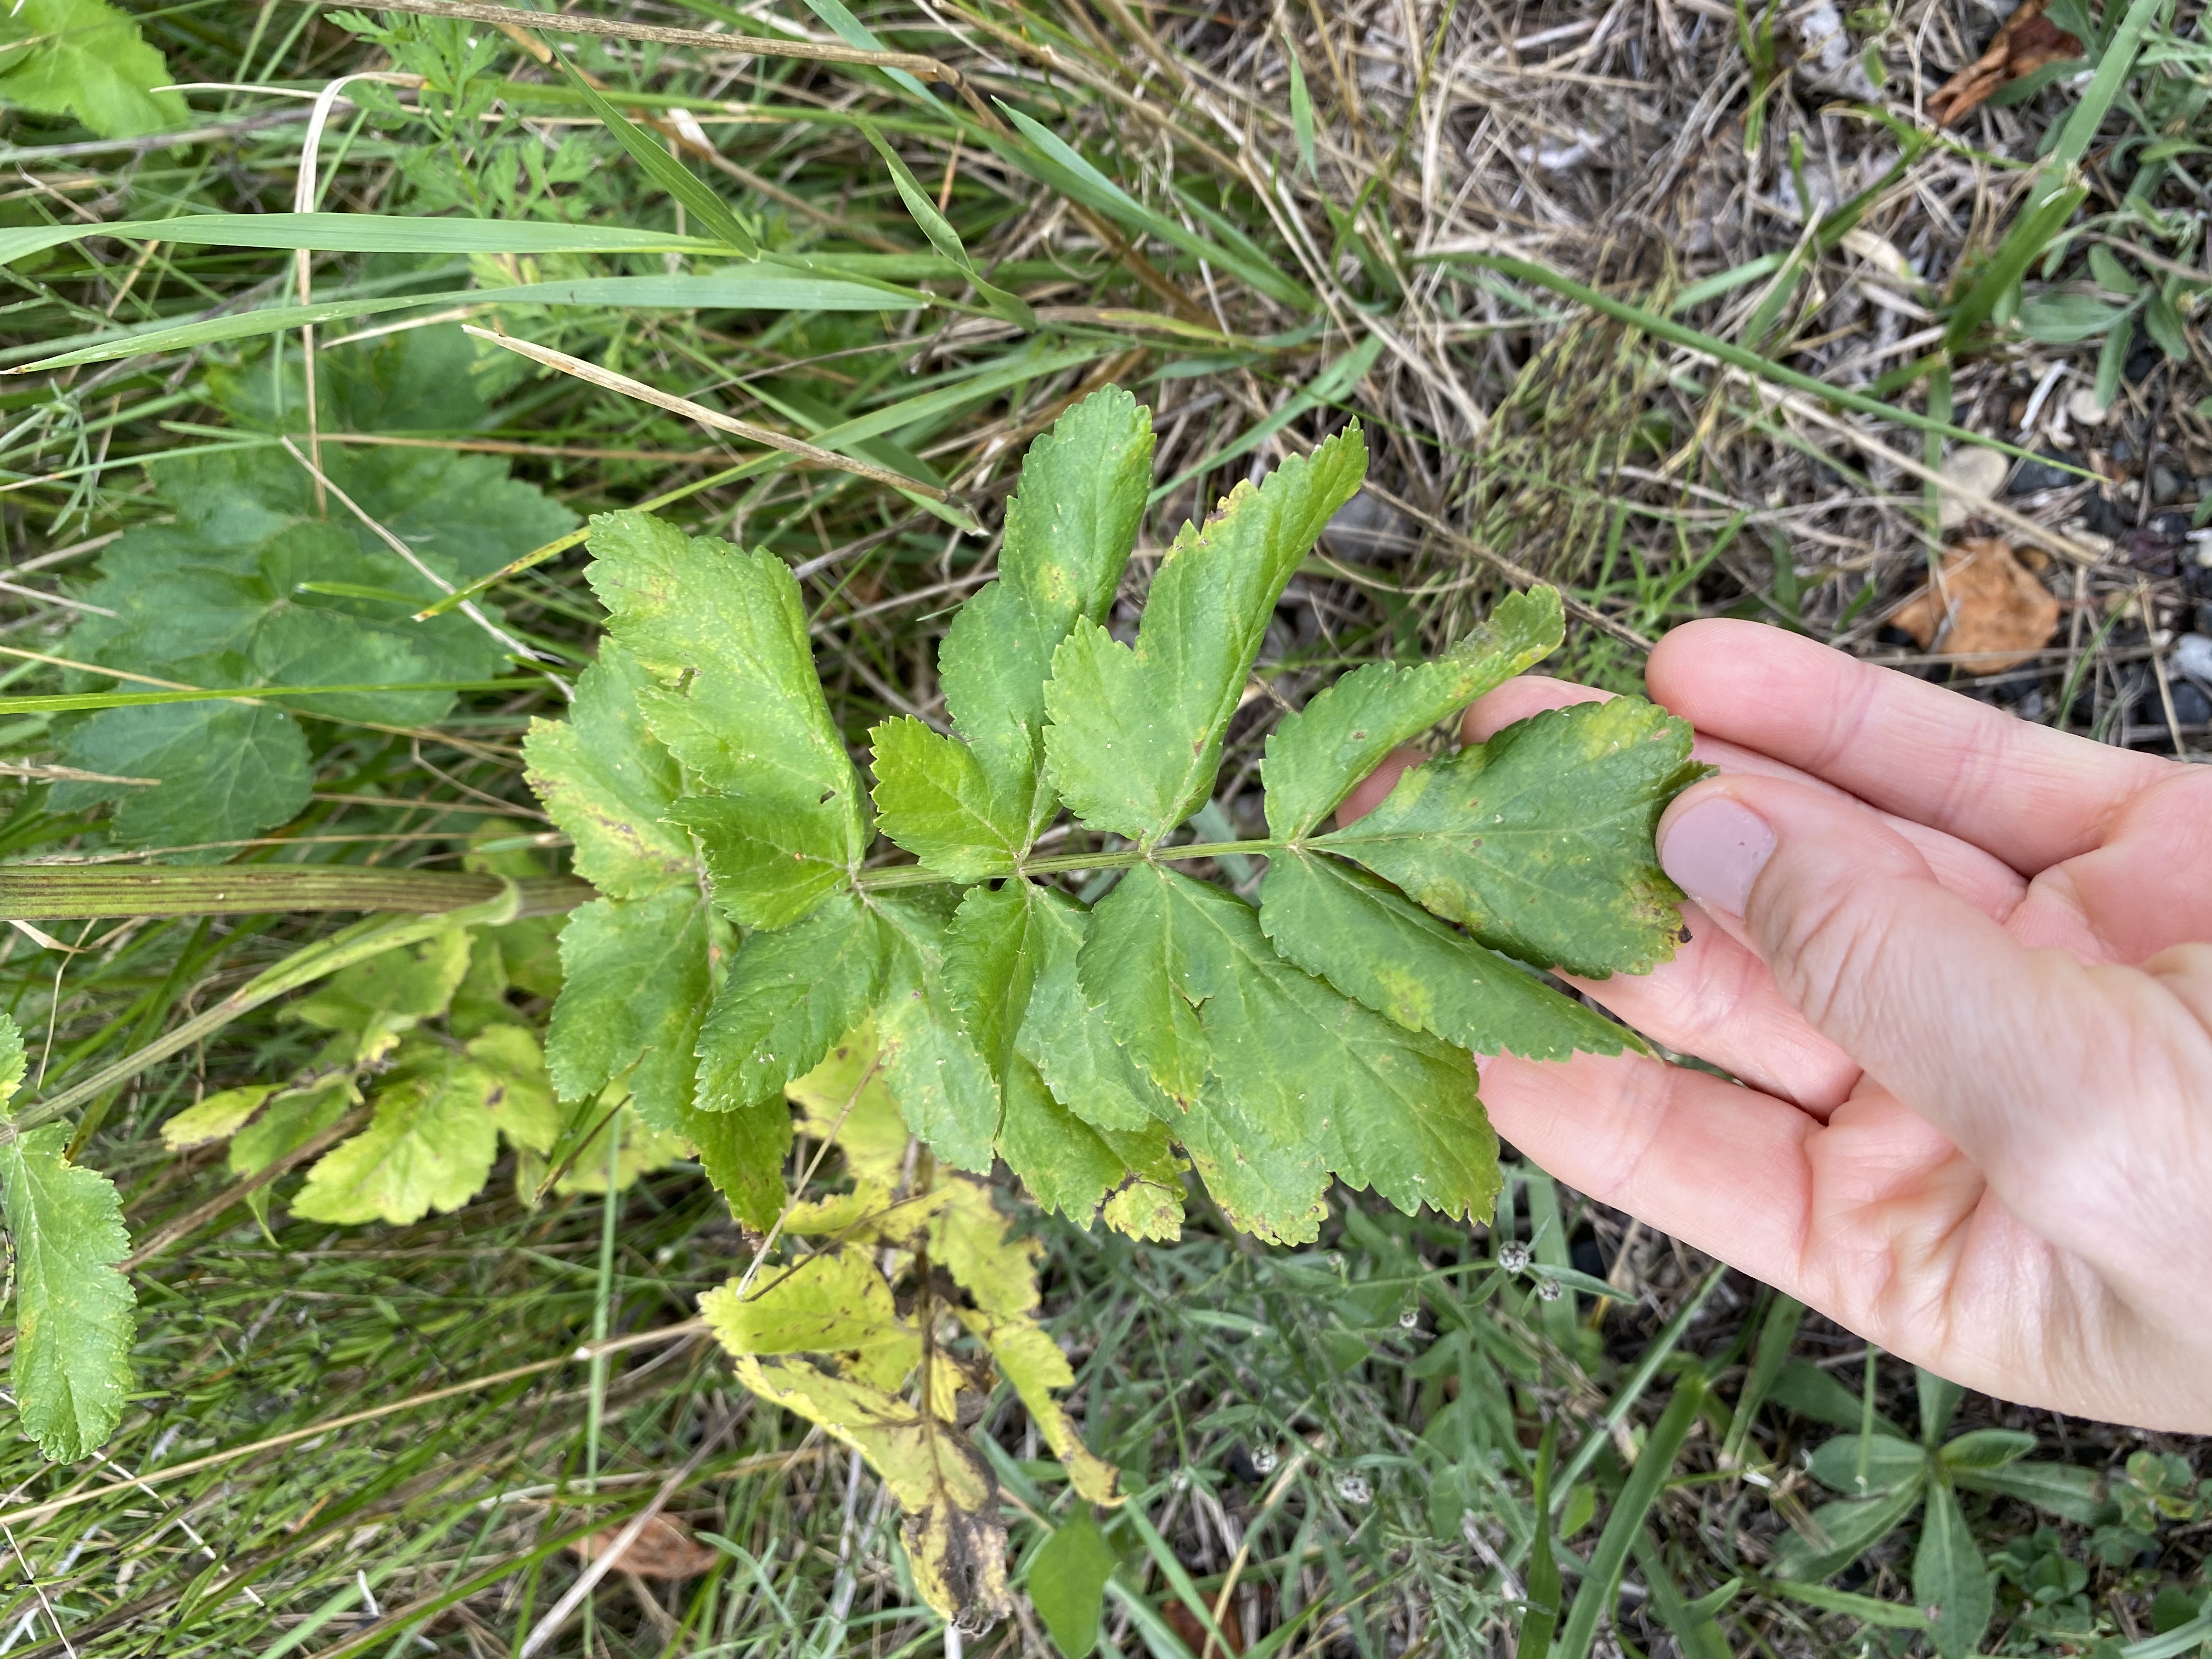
(1120, 858)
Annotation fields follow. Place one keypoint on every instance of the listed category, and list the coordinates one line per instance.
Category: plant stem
(48, 892)
(1120, 858)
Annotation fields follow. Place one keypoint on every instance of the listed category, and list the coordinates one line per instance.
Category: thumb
(1935, 1000)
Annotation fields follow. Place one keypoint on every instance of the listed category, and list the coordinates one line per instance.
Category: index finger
(2029, 795)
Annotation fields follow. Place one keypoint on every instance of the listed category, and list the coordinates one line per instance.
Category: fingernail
(1714, 851)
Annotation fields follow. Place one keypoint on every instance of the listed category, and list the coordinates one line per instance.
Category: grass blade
(664, 169)
(362, 232)
(1544, 1588)
(1626, 1524)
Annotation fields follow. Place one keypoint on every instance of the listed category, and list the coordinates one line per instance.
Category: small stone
(2122, 451)
(1974, 471)
(2167, 487)
(2103, 515)
(2082, 408)
(2030, 477)
(2191, 706)
(2192, 658)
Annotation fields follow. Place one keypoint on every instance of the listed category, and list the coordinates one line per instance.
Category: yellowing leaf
(974, 1241)
(955, 1542)
(216, 1117)
(430, 1146)
(516, 1090)
(378, 999)
(831, 1302)
(1030, 1360)
(846, 1099)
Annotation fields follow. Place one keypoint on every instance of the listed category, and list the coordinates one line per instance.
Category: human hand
(1963, 966)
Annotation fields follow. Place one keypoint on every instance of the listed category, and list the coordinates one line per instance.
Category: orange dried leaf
(665, 1549)
(2024, 43)
(1985, 606)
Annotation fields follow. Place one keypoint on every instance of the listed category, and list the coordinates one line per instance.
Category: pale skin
(1962, 966)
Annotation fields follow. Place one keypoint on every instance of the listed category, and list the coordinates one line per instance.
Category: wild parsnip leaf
(1135, 738)
(74, 1313)
(375, 1002)
(846, 1099)
(1028, 1359)
(430, 1146)
(1316, 755)
(790, 994)
(86, 59)
(1322, 1076)
(1367, 941)
(935, 800)
(1065, 1164)
(636, 988)
(1066, 1037)
(723, 634)
(609, 784)
(742, 1154)
(1069, 532)
(1539, 842)
(939, 1076)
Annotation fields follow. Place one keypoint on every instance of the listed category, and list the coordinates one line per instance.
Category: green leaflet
(1135, 738)
(940, 1078)
(1539, 842)
(74, 1313)
(609, 784)
(789, 996)
(1066, 1038)
(1317, 755)
(84, 57)
(635, 989)
(743, 1153)
(377, 1001)
(724, 632)
(990, 966)
(968, 806)
(1068, 1575)
(935, 800)
(1398, 959)
(1331, 1085)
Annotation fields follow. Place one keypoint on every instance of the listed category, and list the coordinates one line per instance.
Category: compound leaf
(1539, 842)
(85, 58)
(1135, 738)
(724, 633)
(609, 784)
(1066, 1036)
(1396, 958)
(767, 863)
(636, 981)
(789, 995)
(1296, 1080)
(75, 1312)
(1316, 755)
